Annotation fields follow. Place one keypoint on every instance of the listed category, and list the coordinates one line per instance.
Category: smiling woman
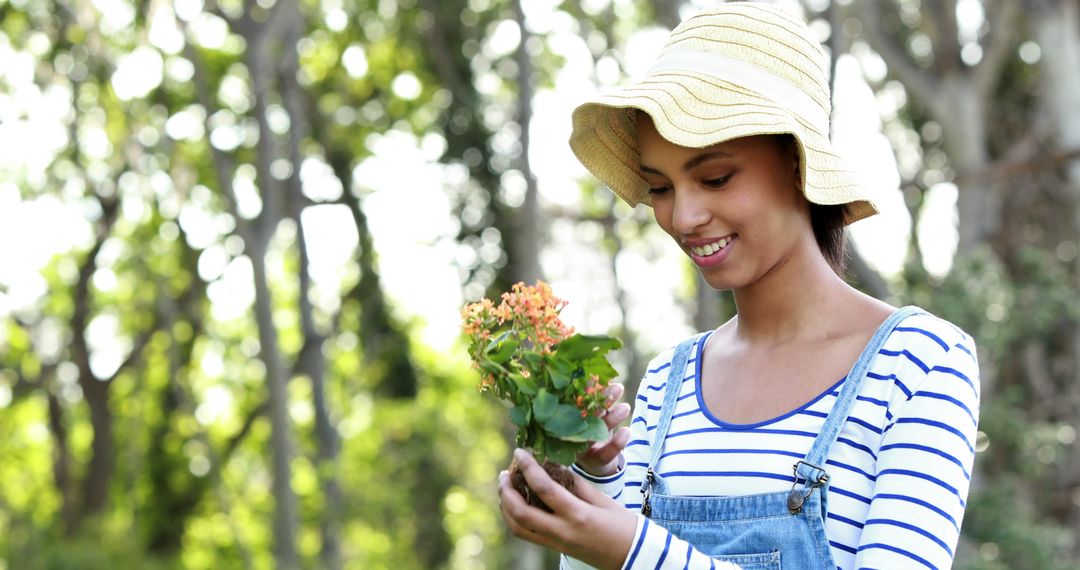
(817, 428)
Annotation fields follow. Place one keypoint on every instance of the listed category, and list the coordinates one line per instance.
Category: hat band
(747, 75)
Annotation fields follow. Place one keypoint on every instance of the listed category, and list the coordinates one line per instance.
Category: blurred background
(235, 236)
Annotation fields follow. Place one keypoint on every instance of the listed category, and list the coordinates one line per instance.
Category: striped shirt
(900, 469)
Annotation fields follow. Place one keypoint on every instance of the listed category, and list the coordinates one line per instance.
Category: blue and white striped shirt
(900, 469)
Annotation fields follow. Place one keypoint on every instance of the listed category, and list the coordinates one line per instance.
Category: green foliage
(1009, 533)
(1010, 308)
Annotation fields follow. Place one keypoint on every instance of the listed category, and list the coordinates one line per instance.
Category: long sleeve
(656, 548)
(924, 469)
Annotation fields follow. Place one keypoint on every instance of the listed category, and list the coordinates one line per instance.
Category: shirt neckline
(700, 361)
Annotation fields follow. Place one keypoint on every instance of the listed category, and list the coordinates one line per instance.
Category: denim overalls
(769, 530)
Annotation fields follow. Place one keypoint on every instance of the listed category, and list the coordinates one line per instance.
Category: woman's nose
(690, 211)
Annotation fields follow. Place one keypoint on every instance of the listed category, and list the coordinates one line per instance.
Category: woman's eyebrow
(693, 162)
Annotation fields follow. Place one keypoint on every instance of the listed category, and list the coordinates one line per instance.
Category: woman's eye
(659, 189)
(717, 182)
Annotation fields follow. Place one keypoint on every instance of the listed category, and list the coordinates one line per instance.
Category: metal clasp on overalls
(646, 491)
(797, 496)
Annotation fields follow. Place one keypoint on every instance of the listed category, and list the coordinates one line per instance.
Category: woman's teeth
(707, 250)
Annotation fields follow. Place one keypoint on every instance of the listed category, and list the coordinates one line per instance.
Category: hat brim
(698, 111)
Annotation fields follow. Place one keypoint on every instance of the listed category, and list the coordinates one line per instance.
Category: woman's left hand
(586, 525)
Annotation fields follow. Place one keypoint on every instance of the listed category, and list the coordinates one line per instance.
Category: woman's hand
(587, 524)
(602, 458)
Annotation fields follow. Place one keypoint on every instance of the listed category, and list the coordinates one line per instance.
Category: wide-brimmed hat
(736, 70)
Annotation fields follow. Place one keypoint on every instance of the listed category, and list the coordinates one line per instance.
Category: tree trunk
(955, 96)
(965, 142)
(99, 470)
(311, 360)
(95, 484)
(526, 240)
(285, 509)
(1057, 30)
(61, 462)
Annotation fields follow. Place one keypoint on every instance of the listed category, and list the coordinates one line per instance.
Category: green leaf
(525, 385)
(534, 360)
(544, 405)
(566, 421)
(580, 346)
(562, 372)
(599, 366)
(561, 451)
(595, 430)
(501, 348)
(520, 415)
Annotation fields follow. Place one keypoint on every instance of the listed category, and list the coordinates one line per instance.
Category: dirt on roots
(559, 473)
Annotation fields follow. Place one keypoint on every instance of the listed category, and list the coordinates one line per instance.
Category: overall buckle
(796, 497)
(646, 491)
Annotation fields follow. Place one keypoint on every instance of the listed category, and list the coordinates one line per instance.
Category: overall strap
(671, 395)
(810, 467)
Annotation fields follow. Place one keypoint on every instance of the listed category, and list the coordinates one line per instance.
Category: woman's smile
(706, 253)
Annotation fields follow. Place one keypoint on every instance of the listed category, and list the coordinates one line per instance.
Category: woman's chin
(721, 283)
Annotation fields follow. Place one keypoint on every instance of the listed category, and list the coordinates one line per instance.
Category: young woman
(818, 428)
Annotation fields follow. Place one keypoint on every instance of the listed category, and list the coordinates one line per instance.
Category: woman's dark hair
(828, 224)
(826, 220)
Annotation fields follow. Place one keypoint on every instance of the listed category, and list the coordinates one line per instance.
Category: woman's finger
(617, 414)
(511, 505)
(614, 392)
(608, 450)
(552, 493)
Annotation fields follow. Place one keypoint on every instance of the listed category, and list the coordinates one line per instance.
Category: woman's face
(735, 208)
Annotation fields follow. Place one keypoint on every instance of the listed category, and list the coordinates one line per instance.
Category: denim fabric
(760, 531)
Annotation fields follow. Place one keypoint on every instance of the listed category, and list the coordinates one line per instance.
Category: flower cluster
(536, 310)
(554, 378)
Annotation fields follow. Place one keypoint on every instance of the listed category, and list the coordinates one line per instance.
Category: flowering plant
(553, 377)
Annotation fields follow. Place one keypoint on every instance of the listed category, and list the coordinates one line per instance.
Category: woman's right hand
(601, 459)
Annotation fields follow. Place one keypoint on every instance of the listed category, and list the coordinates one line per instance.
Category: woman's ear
(791, 147)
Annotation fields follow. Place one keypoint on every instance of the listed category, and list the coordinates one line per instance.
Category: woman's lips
(712, 253)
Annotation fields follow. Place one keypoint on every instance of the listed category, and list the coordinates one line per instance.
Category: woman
(759, 444)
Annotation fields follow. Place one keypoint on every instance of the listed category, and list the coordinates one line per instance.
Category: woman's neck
(795, 296)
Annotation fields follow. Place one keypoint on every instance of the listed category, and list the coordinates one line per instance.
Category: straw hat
(732, 71)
